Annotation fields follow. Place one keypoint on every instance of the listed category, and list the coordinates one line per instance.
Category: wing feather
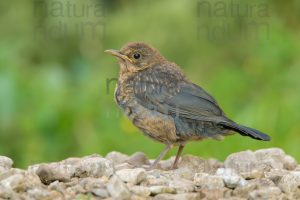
(168, 94)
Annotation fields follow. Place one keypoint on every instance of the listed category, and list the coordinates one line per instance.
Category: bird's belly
(157, 126)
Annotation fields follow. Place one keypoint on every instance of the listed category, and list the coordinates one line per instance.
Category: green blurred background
(57, 84)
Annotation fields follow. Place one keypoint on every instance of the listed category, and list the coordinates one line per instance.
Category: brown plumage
(157, 97)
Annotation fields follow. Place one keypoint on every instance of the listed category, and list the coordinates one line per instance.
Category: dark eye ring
(136, 55)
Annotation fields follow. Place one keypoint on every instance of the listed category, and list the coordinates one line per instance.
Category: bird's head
(136, 56)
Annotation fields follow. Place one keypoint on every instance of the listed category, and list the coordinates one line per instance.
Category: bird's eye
(136, 55)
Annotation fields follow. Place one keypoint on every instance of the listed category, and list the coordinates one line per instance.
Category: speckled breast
(152, 123)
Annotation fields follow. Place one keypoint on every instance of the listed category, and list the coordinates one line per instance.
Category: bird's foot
(174, 167)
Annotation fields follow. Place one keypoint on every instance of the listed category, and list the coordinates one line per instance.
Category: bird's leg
(161, 155)
(180, 148)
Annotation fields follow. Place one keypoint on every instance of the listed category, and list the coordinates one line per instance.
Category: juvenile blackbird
(157, 97)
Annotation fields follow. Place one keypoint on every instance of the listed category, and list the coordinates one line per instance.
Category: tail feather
(246, 131)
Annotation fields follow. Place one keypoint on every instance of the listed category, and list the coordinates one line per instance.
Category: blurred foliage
(56, 84)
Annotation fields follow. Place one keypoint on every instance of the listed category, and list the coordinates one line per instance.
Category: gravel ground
(261, 174)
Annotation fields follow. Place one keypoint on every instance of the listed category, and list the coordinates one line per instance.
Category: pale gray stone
(41, 193)
(156, 177)
(116, 157)
(5, 164)
(57, 186)
(214, 193)
(140, 190)
(252, 185)
(275, 158)
(183, 196)
(13, 181)
(134, 176)
(117, 189)
(275, 175)
(265, 193)
(231, 178)
(195, 164)
(94, 166)
(20, 181)
(184, 173)
(204, 180)
(165, 164)
(245, 163)
(289, 183)
(90, 183)
(53, 172)
(123, 166)
(270, 174)
(100, 192)
(158, 189)
(251, 164)
(182, 185)
(138, 159)
(87, 169)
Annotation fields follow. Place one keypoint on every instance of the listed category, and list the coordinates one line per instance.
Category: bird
(165, 105)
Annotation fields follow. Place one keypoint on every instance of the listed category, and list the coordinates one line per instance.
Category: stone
(76, 189)
(138, 159)
(13, 182)
(74, 160)
(42, 193)
(204, 180)
(140, 190)
(214, 193)
(194, 164)
(245, 163)
(275, 175)
(156, 177)
(133, 176)
(19, 181)
(289, 163)
(158, 189)
(165, 164)
(116, 157)
(262, 174)
(184, 196)
(5, 164)
(94, 166)
(184, 173)
(182, 185)
(289, 183)
(100, 192)
(251, 164)
(231, 178)
(252, 185)
(90, 183)
(214, 165)
(58, 186)
(265, 193)
(51, 173)
(6, 193)
(136, 197)
(123, 166)
(275, 158)
(72, 182)
(117, 189)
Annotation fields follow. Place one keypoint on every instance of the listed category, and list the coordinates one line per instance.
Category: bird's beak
(117, 54)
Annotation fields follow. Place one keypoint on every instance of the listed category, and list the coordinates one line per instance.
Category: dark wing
(169, 94)
(194, 110)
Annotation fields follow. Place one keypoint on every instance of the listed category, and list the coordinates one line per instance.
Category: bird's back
(164, 93)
